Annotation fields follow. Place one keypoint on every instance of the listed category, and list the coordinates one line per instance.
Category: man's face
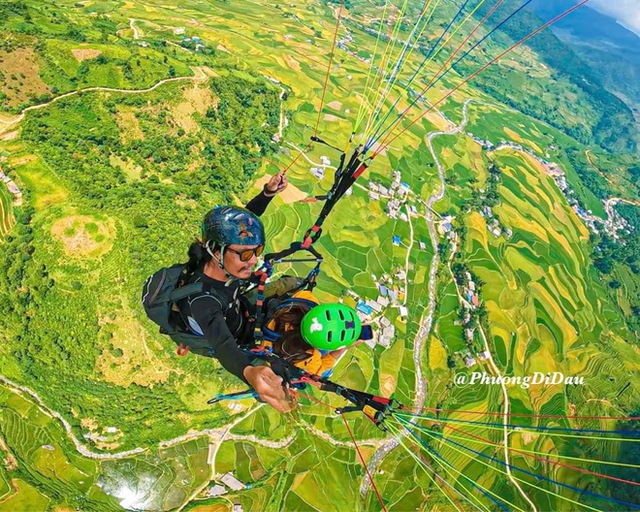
(234, 256)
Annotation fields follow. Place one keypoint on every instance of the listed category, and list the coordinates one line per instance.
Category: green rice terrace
(493, 250)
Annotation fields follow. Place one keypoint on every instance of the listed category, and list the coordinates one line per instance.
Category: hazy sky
(626, 12)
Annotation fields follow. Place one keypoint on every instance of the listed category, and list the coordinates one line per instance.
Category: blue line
(422, 94)
(632, 433)
(370, 142)
(539, 477)
(433, 452)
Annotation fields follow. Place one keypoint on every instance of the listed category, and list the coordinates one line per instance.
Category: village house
(232, 482)
(216, 490)
(374, 305)
(469, 361)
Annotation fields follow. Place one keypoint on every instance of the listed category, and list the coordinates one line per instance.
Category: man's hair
(198, 256)
(291, 346)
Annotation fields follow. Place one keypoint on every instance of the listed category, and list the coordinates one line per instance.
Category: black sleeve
(259, 203)
(207, 312)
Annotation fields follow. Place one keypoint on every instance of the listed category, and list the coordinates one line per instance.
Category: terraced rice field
(6, 211)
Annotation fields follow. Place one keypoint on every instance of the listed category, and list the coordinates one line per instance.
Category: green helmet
(331, 326)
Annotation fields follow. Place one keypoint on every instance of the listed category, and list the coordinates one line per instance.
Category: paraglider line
(403, 56)
(364, 464)
(431, 83)
(302, 151)
(326, 78)
(525, 427)
(485, 441)
(519, 479)
(539, 477)
(430, 56)
(441, 460)
(523, 415)
(567, 457)
(383, 146)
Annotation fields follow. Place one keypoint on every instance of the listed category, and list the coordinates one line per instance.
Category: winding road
(426, 323)
(217, 436)
(200, 76)
(137, 33)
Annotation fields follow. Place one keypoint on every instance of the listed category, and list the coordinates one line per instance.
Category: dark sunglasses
(247, 254)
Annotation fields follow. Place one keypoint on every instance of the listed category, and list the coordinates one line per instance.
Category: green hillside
(122, 123)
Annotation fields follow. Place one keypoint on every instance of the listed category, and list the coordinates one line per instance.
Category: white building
(325, 160)
(216, 490)
(232, 482)
(383, 301)
(469, 361)
(374, 305)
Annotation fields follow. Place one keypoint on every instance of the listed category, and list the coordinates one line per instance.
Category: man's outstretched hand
(269, 386)
(277, 183)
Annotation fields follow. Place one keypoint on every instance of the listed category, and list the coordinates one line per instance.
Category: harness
(374, 407)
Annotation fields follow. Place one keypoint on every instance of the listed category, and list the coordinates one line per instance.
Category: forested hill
(610, 122)
(612, 51)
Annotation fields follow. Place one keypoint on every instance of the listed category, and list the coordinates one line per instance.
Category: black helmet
(225, 225)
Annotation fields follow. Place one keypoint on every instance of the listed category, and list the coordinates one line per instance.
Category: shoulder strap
(185, 291)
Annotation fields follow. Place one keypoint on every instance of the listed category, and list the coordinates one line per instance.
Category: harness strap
(264, 275)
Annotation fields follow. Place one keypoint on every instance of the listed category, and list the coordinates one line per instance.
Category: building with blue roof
(363, 308)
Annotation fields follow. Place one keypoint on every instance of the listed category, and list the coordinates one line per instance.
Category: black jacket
(220, 314)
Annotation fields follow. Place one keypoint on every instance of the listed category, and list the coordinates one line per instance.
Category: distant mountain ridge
(610, 122)
(610, 49)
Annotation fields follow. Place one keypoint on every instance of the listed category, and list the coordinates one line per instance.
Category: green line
(361, 112)
(433, 481)
(445, 468)
(471, 456)
(433, 56)
(516, 450)
(392, 39)
(412, 47)
(521, 427)
(488, 491)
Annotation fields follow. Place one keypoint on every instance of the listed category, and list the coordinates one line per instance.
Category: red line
(435, 76)
(522, 415)
(373, 484)
(296, 158)
(558, 463)
(326, 78)
(382, 147)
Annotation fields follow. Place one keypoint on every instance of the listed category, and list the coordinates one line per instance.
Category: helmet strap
(220, 260)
